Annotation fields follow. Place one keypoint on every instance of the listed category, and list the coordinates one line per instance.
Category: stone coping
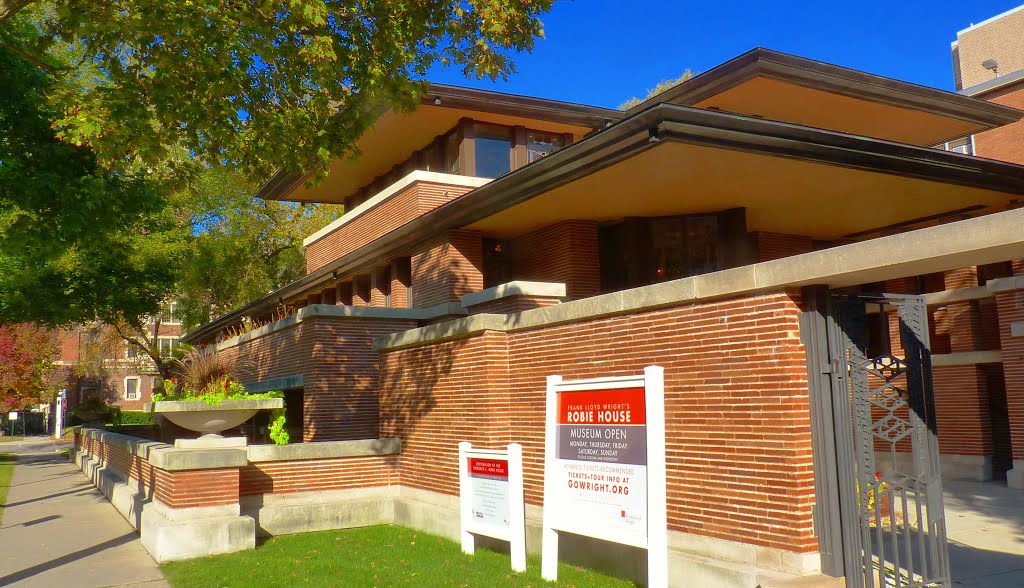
(168, 457)
(325, 450)
(966, 358)
(335, 311)
(985, 239)
(516, 288)
(413, 177)
(199, 405)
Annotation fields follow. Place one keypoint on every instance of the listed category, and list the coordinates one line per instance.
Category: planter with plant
(206, 397)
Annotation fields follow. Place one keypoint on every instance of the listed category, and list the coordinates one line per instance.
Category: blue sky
(603, 52)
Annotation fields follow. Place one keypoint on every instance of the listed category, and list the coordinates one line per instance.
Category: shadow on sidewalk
(66, 559)
(82, 488)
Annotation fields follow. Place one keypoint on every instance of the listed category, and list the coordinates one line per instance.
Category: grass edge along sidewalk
(382, 555)
(6, 471)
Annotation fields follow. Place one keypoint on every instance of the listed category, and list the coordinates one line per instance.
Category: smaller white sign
(491, 498)
(13, 415)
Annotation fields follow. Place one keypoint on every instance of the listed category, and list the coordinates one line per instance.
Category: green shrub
(136, 417)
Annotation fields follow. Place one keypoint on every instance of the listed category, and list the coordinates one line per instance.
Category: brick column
(1010, 309)
(449, 267)
(961, 391)
(380, 286)
(361, 291)
(401, 279)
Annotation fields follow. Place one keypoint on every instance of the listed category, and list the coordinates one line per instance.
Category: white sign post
(58, 419)
(604, 466)
(491, 498)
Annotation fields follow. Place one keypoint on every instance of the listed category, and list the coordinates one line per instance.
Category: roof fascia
(662, 122)
(443, 95)
(835, 79)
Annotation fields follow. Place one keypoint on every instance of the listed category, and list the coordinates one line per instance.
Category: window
(131, 388)
(169, 314)
(132, 352)
(167, 345)
(540, 144)
(965, 146)
(683, 246)
(493, 148)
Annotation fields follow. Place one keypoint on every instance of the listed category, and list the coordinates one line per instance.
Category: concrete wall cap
(173, 459)
(380, 197)
(324, 450)
(1004, 284)
(516, 288)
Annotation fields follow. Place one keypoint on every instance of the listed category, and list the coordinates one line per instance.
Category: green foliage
(93, 410)
(382, 555)
(77, 241)
(662, 86)
(135, 417)
(215, 397)
(243, 247)
(285, 84)
(277, 432)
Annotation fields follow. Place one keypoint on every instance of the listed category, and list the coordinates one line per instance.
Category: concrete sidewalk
(59, 531)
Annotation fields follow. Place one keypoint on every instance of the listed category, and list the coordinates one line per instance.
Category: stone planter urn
(196, 415)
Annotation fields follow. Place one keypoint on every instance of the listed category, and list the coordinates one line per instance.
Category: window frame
(138, 387)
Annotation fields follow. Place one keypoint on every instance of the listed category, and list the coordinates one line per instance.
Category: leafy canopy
(27, 369)
(284, 84)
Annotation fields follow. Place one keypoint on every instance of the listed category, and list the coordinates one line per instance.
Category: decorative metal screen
(900, 536)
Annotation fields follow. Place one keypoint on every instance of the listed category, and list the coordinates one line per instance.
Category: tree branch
(8, 8)
(29, 57)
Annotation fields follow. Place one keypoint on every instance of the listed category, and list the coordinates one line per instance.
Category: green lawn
(6, 469)
(371, 556)
(7, 438)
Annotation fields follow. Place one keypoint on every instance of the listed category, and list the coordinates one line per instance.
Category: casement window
(132, 388)
(493, 151)
(166, 345)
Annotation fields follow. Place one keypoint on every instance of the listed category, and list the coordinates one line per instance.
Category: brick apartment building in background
(988, 63)
(128, 376)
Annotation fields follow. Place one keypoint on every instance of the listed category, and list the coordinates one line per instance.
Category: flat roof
(644, 131)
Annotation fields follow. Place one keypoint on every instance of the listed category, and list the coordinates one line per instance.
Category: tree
(27, 365)
(244, 246)
(657, 89)
(77, 241)
(284, 84)
(107, 108)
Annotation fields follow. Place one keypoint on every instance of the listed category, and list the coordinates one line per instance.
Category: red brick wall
(777, 245)
(962, 410)
(193, 488)
(739, 439)
(1010, 305)
(339, 368)
(566, 252)
(447, 268)
(401, 208)
(279, 477)
(1006, 142)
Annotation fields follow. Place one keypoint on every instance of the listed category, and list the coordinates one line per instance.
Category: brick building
(126, 376)
(491, 240)
(988, 63)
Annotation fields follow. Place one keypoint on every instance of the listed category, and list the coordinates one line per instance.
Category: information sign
(604, 472)
(491, 495)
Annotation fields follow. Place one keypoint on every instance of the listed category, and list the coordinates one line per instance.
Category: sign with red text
(605, 465)
(491, 497)
(488, 492)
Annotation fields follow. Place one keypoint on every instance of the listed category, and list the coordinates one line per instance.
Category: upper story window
(167, 345)
(492, 147)
(540, 144)
(131, 388)
(965, 146)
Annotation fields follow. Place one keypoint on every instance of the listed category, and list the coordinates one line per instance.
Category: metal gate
(880, 489)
